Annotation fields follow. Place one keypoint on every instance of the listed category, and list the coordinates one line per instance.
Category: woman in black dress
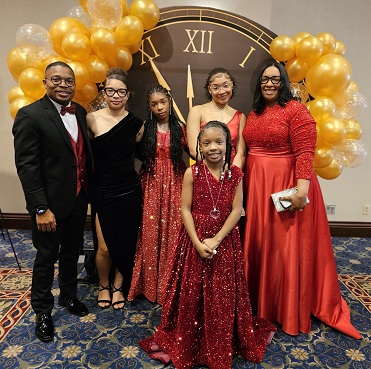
(117, 194)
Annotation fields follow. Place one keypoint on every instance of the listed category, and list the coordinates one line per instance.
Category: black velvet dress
(117, 194)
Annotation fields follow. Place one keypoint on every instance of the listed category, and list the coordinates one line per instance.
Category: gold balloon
(340, 48)
(331, 171)
(76, 46)
(322, 108)
(323, 156)
(81, 74)
(125, 9)
(147, 11)
(84, 4)
(282, 48)
(299, 36)
(61, 27)
(14, 93)
(129, 31)
(103, 41)
(309, 49)
(97, 68)
(52, 59)
(135, 47)
(88, 93)
(354, 129)
(329, 42)
(17, 62)
(31, 83)
(332, 130)
(296, 69)
(19, 103)
(122, 58)
(329, 76)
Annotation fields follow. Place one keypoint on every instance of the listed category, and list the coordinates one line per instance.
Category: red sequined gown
(160, 223)
(288, 256)
(206, 317)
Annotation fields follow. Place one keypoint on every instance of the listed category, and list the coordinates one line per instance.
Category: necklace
(214, 213)
(220, 109)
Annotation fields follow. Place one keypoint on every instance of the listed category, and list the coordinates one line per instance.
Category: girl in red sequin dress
(289, 261)
(206, 317)
(161, 175)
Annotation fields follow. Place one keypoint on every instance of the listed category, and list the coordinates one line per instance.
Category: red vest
(78, 149)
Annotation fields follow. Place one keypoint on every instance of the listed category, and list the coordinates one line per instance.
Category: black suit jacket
(44, 156)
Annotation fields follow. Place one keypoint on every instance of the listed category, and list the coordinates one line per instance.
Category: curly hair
(222, 126)
(284, 90)
(149, 139)
(119, 74)
(217, 72)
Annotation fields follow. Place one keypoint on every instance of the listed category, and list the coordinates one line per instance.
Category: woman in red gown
(289, 262)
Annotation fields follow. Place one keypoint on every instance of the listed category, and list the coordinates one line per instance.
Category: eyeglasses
(274, 79)
(215, 88)
(121, 92)
(57, 80)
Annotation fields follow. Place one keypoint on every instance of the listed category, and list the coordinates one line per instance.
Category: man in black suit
(54, 163)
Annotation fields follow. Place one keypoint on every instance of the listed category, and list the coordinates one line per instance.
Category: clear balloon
(106, 13)
(296, 69)
(332, 130)
(309, 49)
(328, 41)
(350, 153)
(17, 62)
(353, 87)
(299, 92)
(323, 156)
(129, 31)
(329, 76)
(79, 13)
(331, 171)
(354, 129)
(350, 104)
(31, 83)
(34, 41)
(19, 103)
(14, 93)
(282, 48)
(322, 108)
(147, 11)
(103, 41)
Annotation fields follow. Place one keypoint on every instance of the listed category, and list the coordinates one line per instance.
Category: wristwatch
(40, 210)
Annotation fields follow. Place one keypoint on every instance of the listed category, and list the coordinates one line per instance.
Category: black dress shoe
(73, 305)
(44, 327)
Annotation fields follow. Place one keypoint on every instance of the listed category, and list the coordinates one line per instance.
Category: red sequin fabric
(206, 316)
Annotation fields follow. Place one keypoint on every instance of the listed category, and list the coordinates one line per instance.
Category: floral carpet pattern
(109, 339)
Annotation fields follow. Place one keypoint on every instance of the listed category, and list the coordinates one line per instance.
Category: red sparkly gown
(234, 127)
(206, 317)
(288, 256)
(160, 223)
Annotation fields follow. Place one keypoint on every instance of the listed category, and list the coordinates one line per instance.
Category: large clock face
(186, 44)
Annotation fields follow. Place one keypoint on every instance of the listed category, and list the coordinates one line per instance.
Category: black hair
(148, 142)
(119, 74)
(222, 126)
(284, 90)
(214, 73)
(59, 63)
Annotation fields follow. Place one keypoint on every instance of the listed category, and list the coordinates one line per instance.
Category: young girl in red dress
(206, 316)
(161, 175)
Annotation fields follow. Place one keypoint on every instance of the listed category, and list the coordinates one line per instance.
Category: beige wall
(348, 21)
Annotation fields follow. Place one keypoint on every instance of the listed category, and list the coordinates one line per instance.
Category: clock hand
(161, 80)
(190, 93)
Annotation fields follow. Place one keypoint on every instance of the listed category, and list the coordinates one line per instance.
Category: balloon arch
(99, 34)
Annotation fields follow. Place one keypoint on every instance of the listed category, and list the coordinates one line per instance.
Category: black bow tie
(68, 109)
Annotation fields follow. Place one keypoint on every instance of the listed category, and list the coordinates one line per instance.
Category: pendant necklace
(220, 109)
(214, 213)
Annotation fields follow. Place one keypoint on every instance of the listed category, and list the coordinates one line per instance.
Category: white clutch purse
(280, 204)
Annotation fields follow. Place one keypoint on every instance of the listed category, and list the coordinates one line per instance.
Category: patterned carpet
(109, 339)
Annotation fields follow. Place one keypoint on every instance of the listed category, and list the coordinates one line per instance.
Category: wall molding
(338, 229)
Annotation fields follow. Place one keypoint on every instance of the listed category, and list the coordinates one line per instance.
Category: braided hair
(149, 139)
(222, 126)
